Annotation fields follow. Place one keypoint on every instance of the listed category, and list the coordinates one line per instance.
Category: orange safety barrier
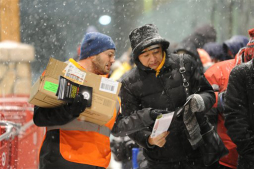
(25, 147)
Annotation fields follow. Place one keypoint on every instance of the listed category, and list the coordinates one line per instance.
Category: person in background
(218, 76)
(200, 36)
(215, 51)
(205, 59)
(121, 148)
(126, 64)
(155, 86)
(215, 54)
(232, 45)
(239, 107)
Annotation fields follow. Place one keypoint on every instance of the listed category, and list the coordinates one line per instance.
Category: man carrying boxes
(71, 142)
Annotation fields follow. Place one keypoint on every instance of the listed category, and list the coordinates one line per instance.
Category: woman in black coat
(156, 86)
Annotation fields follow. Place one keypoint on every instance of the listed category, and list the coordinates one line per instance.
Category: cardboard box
(103, 100)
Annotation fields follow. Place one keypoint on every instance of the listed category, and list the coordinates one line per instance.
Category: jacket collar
(168, 63)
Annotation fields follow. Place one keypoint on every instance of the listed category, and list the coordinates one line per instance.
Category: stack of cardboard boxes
(15, 71)
(104, 98)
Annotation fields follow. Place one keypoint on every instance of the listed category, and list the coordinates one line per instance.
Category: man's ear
(92, 57)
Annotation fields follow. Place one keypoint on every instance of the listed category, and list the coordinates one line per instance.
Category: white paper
(162, 124)
(108, 85)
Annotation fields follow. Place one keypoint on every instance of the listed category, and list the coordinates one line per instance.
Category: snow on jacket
(239, 112)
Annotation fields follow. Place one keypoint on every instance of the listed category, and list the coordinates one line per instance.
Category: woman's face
(151, 57)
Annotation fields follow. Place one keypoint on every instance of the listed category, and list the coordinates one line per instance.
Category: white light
(105, 20)
(86, 95)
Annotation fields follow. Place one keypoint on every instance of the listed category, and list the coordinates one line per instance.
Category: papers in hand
(162, 124)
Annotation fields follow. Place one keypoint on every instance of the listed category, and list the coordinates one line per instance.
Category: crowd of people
(209, 84)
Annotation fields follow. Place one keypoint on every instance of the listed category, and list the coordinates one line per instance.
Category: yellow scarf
(161, 64)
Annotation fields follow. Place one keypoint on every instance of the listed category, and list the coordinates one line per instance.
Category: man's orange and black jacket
(65, 147)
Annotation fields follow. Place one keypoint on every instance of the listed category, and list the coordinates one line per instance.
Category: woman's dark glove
(154, 113)
(77, 106)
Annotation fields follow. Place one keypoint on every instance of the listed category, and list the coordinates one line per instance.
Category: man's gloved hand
(77, 106)
(197, 103)
(156, 112)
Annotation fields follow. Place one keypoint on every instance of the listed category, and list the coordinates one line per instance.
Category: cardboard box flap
(55, 68)
(35, 89)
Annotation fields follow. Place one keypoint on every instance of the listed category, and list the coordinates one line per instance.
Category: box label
(74, 74)
(108, 85)
(49, 86)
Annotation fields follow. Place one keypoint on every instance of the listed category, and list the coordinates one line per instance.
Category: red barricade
(8, 142)
(26, 146)
(5, 151)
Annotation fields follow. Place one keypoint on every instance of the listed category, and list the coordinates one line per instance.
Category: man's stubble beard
(98, 66)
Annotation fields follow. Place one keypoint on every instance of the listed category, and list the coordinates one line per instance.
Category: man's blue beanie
(95, 43)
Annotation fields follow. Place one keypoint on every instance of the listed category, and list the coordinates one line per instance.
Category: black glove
(156, 112)
(77, 106)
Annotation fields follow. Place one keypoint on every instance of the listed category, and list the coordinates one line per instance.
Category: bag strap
(189, 118)
(182, 71)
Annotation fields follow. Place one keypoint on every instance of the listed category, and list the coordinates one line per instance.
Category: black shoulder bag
(213, 148)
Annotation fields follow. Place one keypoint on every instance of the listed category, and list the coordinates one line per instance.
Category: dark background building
(56, 28)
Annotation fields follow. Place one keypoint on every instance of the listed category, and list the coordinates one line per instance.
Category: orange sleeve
(216, 97)
(43, 73)
(213, 78)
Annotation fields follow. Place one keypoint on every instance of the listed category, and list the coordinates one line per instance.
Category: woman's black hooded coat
(142, 91)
